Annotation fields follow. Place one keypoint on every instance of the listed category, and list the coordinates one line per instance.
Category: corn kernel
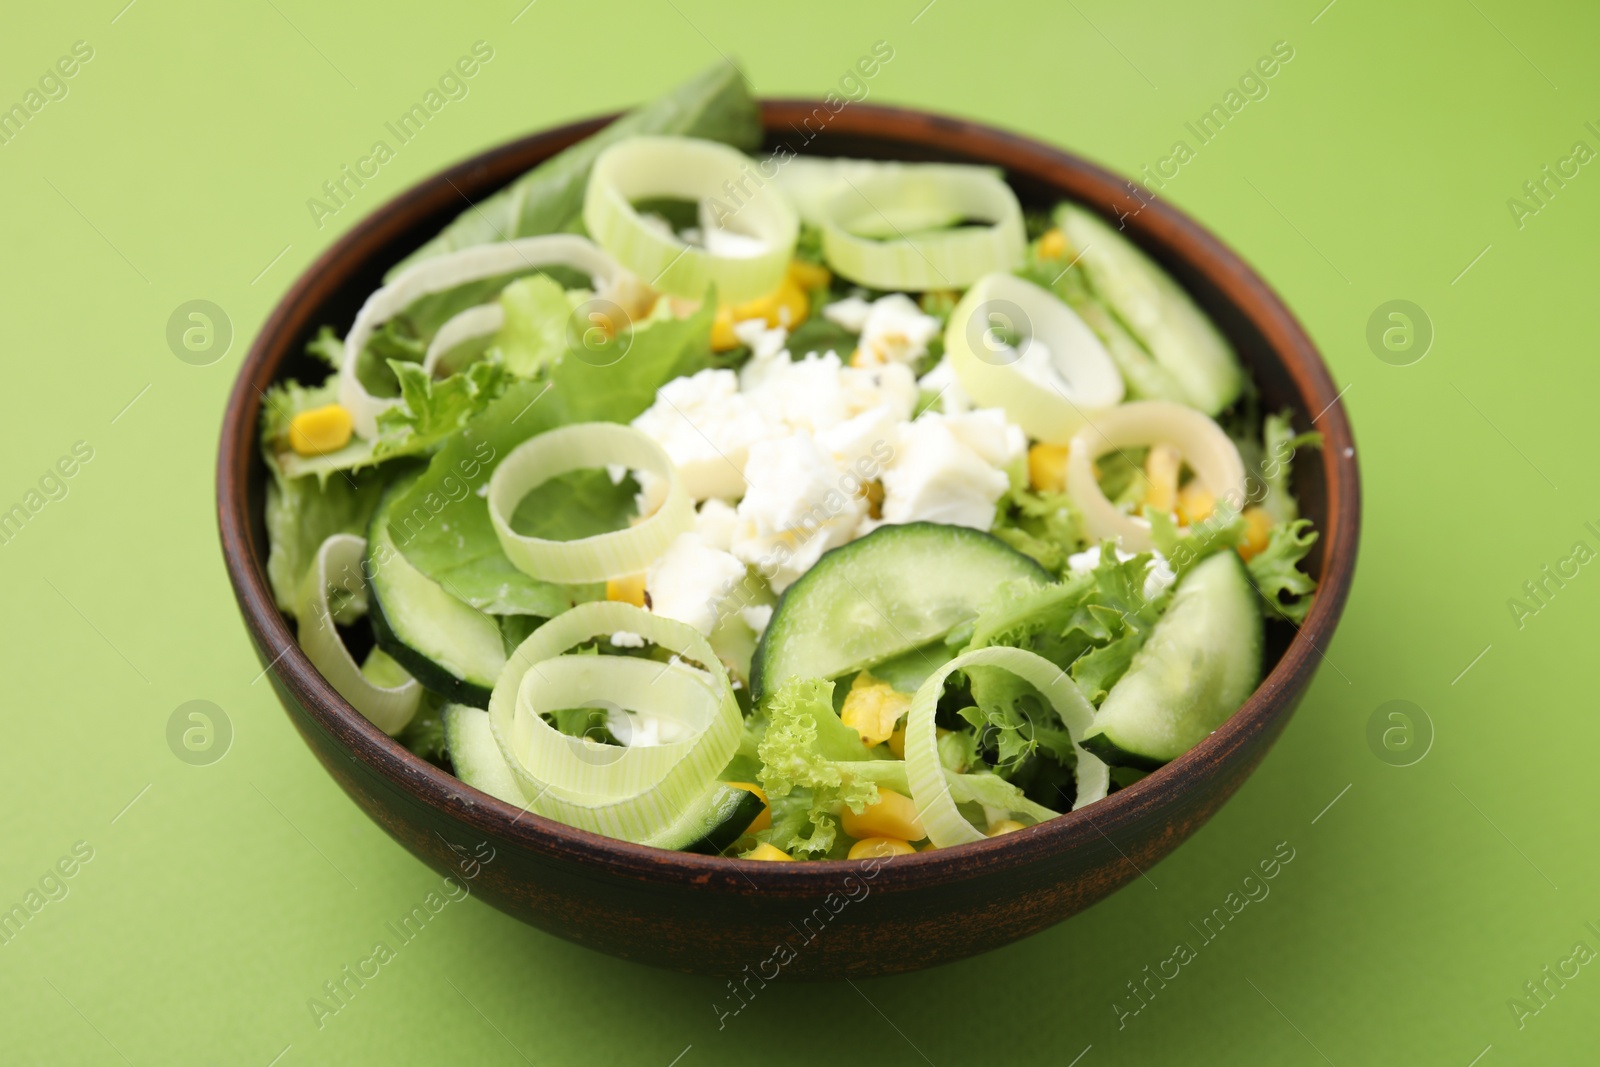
(765, 851)
(872, 708)
(880, 848)
(787, 305)
(897, 743)
(1053, 245)
(320, 430)
(1257, 532)
(1047, 468)
(1161, 468)
(1005, 826)
(894, 815)
(764, 820)
(629, 590)
(1194, 503)
(809, 275)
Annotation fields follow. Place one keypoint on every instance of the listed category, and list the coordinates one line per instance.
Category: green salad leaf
(1276, 572)
(301, 514)
(535, 331)
(442, 522)
(429, 410)
(1279, 443)
(1043, 525)
(714, 105)
(806, 746)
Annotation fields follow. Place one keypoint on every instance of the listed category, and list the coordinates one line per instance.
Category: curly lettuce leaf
(429, 410)
(1276, 572)
(1043, 525)
(806, 747)
(1279, 443)
(535, 331)
(442, 524)
(1223, 528)
(1090, 623)
(715, 105)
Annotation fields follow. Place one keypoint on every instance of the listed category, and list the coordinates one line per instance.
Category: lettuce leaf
(535, 330)
(1279, 443)
(442, 522)
(1090, 624)
(806, 747)
(715, 105)
(1276, 572)
(1043, 525)
(302, 513)
(429, 410)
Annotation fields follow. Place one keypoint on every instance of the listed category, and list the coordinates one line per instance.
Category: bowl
(834, 919)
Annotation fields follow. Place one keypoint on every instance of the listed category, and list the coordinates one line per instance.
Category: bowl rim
(1150, 220)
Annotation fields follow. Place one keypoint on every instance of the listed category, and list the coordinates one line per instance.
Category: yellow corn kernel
(765, 851)
(808, 275)
(1194, 503)
(1047, 468)
(1053, 245)
(320, 430)
(1005, 826)
(880, 848)
(629, 590)
(1257, 532)
(872, 708)
(894, 815)
(1161, 468)
(764, 820)
(897, 743)
(787, 305)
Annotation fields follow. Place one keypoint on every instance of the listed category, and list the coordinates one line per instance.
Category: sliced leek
(867, 208)
(812, 182)
(636, 792)
(1018, 347)
(485, 320)
(757, 222)
(447, 272)
(603, 556)
(1208, 451)
(937, 792)
(338, 568)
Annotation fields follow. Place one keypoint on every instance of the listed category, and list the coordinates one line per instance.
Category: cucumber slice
(449, 646)
(1201, 663)
(1155, 310)
(710, 824)
(476, 755)
(894, 590)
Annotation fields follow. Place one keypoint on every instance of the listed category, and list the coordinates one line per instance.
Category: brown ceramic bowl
(823, 920)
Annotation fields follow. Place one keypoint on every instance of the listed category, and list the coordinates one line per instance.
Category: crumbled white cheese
(850, 313)
(799, 504)
(946, 387)
(715, 522)
(757, 616)
(690, 581)
(706, 427)
(936, 476)
(895, 331)
(627, 639)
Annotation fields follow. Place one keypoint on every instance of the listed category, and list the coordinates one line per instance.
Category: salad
(781, 507)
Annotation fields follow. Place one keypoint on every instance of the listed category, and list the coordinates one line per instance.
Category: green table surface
(1378, 165)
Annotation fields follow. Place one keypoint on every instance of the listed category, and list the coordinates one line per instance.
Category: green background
(1377, 168)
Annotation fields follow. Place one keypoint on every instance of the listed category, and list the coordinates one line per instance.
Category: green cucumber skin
(1200, 665)
(1103, 747)
(740, 814)
(428, 673)
(923, 553)
(431, 673)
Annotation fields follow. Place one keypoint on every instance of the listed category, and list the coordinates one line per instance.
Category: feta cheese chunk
(627, 639)
(895, 331)
(799, 504)
(936, 476)
(1156, 581)
(851, 313)
(716, 522)
(757, 616)
(946, 387)
(706, 427)
(690, 581)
